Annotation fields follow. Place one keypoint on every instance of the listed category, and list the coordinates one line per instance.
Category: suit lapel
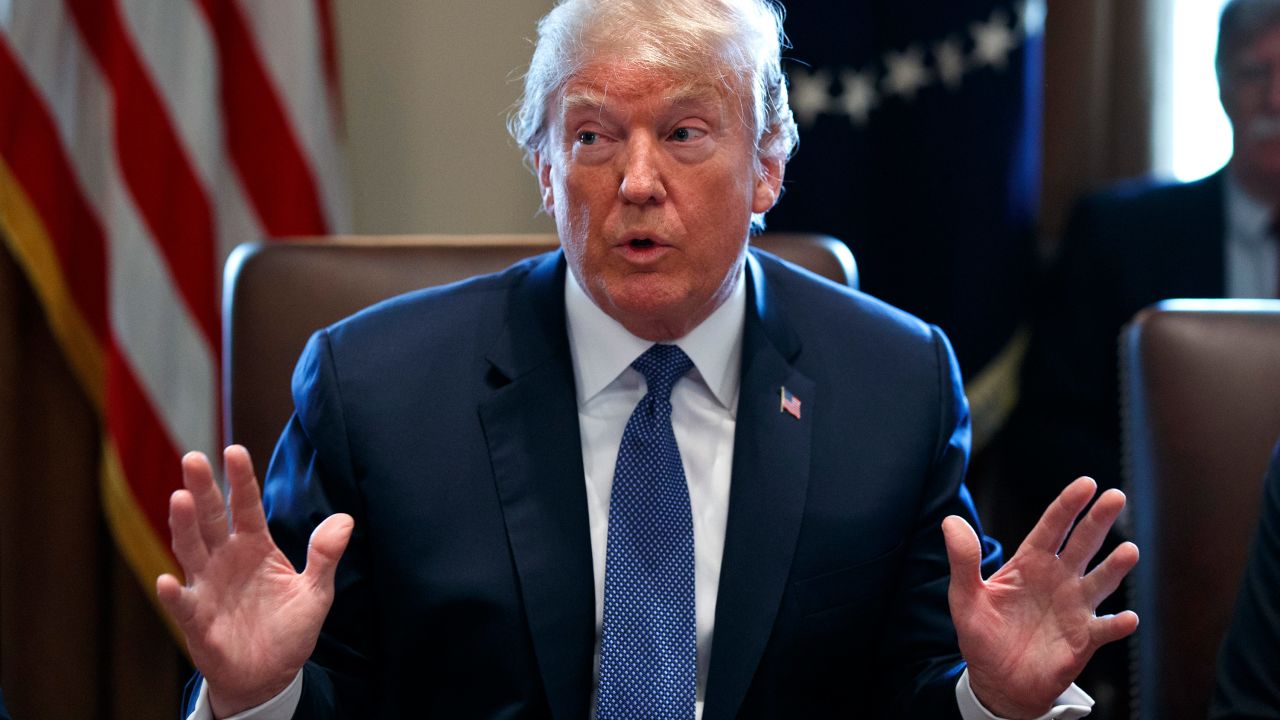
(531, 426)
(1210, 196)
(766, 499)
(1190, 238)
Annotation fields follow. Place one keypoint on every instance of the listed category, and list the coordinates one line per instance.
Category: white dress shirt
(1252, 253)
(704, 406)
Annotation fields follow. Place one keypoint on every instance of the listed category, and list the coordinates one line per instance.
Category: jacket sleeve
(922, 638)
(311, 476)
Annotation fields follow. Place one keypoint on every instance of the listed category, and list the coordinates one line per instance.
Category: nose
(642, 181)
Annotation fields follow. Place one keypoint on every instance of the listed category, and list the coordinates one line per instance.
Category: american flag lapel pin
(790, 404)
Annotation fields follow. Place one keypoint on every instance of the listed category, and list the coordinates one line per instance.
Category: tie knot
(662, 366)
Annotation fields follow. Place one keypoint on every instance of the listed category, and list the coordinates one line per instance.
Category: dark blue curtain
(920, 148)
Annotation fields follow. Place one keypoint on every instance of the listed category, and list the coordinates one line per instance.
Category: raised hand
(1028, 630)
(250, 620)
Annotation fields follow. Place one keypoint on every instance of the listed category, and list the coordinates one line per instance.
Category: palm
(256, 612)
(250, 620)
(1028, 630)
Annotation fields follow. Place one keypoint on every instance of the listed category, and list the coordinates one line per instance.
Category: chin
(653, 312)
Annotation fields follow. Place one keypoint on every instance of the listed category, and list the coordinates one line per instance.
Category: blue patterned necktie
(648, 645)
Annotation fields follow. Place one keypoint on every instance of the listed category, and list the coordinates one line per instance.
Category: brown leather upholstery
(277, 294)
(1201, 412)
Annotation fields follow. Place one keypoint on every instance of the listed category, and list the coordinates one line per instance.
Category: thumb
(328, 541)
(964, 552)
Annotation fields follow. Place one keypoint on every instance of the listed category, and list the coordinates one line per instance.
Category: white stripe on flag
(149, 319)
(6, 15)
(288, 38)
(177, 44)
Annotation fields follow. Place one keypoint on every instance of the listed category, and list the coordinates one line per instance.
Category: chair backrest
(276, 294)
(1200, 414)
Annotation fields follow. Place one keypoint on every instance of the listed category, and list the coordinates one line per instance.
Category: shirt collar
(603, 349)
(1250, 217)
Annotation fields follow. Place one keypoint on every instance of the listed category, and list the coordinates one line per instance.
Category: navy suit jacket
(1124, 249)
(445, 422)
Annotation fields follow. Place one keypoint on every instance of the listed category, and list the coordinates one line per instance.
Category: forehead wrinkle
(590, 98)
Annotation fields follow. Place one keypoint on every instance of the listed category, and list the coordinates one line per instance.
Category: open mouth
(641, 243)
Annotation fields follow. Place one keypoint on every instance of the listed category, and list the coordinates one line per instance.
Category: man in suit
(473, 455)
(1139, 243)
(1248, 684)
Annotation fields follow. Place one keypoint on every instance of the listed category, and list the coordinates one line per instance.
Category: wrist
(995, 700)
(225, 704)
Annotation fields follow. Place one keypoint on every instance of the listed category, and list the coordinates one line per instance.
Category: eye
(687, 134)
(1251, 73)
(586, 137)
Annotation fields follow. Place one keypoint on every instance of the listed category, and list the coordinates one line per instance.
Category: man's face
(1251, 97)
(652, 181)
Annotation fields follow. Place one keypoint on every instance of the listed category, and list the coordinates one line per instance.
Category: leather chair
(1200, 414)
(276, 294)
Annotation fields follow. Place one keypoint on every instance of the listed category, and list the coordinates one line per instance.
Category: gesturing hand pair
(251, 621)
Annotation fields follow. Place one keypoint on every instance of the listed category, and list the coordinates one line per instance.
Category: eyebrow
(583, 100)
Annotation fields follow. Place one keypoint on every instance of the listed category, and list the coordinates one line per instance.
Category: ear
(543, 166)
(768, 183)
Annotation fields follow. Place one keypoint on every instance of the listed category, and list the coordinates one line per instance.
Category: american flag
(140, 141)
(790, 404)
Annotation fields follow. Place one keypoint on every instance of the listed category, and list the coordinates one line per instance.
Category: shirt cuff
(1072, 704)
(280, 707)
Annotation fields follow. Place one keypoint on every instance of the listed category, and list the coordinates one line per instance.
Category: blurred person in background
(1128, 247)
(1141, 242)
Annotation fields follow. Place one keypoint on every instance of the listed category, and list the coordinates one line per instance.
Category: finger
(328, 541)
(1091, 532)
(197, 477)
(247, 515)
(1051, 531)
(964, 552)
(174, 599)
(1110, 628)
(188, 546)
(1104, 579)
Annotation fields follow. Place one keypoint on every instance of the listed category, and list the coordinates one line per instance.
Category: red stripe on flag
(33, 150)
(155, 166)
(148, 455)
(276, 175)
